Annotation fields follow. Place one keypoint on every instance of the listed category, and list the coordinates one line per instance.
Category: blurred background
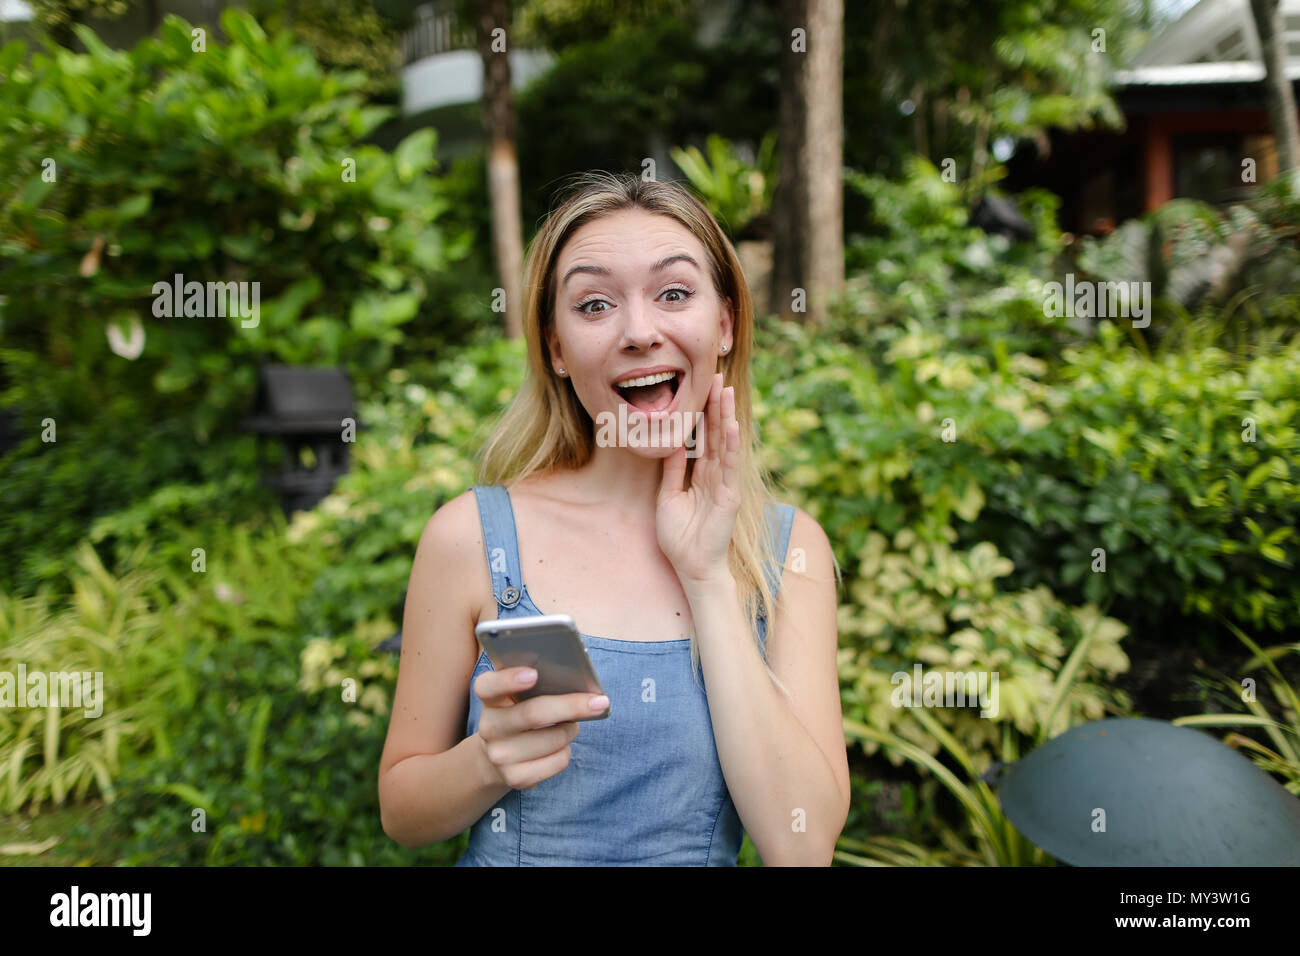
(1094, 496)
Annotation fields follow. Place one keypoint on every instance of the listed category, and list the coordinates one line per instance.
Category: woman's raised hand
(695, 523)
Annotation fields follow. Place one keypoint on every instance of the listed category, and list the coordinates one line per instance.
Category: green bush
(282, 765)
(1224, 277)
(737, 192)
(912, 603)
(50, 494)
(918, 259)
(1184, 469)
(124, 630)
(237, 163)
(151, 632)
(1141, 457)
(249, 719)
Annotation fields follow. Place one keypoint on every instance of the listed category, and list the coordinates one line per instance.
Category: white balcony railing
(436, 30)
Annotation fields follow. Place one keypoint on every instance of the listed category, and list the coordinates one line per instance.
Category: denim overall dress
(644, 786)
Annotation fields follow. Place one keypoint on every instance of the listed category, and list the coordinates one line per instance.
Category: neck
(626, 482)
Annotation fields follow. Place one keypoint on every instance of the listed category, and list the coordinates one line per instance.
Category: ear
(553, 346)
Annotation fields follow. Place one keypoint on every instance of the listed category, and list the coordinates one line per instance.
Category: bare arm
(784, 758)
(432, 783)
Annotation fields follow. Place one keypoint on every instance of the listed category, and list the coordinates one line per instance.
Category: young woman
(708, 610)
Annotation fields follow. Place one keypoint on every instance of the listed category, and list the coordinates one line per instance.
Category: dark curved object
(999, 216)
(1172, 796)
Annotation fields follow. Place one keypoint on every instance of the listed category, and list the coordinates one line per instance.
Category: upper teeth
(647, 380)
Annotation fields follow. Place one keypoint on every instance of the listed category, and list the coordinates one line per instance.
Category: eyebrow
(659, 266)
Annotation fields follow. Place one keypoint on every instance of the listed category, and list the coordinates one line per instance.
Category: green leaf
(415, 153)
(35, 193)
(243, 248)
(186, 792)
(240, 26)
(288, 305)
(12, 54)
(135, 207)
(94, 45)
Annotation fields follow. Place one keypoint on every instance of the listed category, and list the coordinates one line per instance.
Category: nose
(640, 327)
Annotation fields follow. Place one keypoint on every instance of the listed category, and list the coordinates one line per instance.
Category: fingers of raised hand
(714, 418)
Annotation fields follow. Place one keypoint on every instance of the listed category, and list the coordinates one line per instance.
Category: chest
(612, 581)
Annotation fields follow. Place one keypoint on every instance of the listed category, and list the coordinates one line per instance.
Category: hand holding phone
(527, 725)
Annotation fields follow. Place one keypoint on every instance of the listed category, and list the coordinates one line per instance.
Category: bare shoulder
(806, 532)
(809, 550)
(454, 522)
(451, 548)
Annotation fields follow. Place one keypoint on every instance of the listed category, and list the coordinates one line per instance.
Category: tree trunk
(825, 156)
(1277, 88)
(808, 206)
(790, 227)
(502, 161)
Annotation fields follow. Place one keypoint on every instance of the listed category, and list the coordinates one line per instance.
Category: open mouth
(657, 393)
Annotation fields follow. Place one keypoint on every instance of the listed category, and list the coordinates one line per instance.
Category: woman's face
(617, 314)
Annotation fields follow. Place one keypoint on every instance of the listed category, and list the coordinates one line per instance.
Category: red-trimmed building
(1195, 111)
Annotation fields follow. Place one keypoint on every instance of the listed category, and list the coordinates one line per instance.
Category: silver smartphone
(551, 644)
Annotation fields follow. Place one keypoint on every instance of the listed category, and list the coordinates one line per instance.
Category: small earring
(561, 371)
(724, 348)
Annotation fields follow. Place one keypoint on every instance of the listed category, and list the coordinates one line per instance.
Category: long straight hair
(546, 428)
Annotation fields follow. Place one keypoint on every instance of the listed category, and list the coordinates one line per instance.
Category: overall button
(510, 596)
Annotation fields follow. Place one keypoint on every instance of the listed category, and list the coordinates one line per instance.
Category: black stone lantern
(311, 412)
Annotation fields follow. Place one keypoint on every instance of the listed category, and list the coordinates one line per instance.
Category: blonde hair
(546, 427)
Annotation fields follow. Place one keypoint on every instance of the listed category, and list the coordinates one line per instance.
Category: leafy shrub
(919, 260)
(50, 493)
(1046, 668)
(282, 765)
(1047, 466)
(146, 145)
(126, 630)
(1190, 481)
(912, 603)
(1227, 277)
(239, 163)
(1278, 718)
(736, 191)
(254, 726)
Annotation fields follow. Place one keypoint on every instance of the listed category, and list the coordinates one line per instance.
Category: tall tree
(790, 224)
(824, 147)
(808, 210)
(493, 21)
(1278, 93)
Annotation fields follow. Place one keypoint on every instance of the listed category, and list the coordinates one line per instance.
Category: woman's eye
(683, 292)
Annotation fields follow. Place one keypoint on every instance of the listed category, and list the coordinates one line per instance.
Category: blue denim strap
(781, 518)
(500, 543)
